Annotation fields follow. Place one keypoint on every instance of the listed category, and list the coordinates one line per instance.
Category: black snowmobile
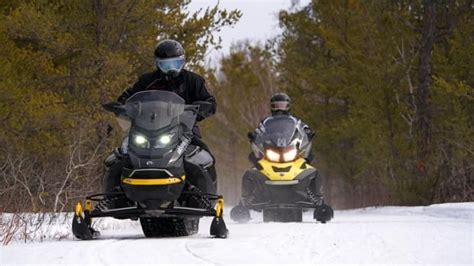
(156, 186)
(282, 183)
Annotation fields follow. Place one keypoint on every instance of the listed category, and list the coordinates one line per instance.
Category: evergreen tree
(368, 75)
(243, 87)
(60, 60)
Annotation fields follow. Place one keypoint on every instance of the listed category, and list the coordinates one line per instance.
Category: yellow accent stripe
(293, 171)
(151, 182)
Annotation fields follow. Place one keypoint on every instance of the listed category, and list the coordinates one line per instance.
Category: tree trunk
(423, 113)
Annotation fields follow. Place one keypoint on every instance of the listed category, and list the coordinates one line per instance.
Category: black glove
(251, 135)
(204, 109)
(309, 132)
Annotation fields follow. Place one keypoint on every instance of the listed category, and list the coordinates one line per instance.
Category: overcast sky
(259, 20)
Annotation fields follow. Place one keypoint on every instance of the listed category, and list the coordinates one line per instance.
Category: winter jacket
(189, 85)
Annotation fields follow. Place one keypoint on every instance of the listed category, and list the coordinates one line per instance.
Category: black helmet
(169, 57)
(280, 104)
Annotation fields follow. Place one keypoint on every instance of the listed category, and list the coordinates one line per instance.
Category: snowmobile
(282, 183)
(156, 187)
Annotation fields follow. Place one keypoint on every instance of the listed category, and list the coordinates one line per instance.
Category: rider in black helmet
(169, 75)
(169, 58)
(280, 104)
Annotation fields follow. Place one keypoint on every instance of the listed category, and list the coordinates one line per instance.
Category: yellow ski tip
(78, 209)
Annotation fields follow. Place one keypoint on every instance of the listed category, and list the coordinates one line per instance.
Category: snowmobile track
(197, 256)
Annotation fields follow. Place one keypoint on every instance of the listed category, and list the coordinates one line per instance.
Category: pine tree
(362, 74)
(60, 60)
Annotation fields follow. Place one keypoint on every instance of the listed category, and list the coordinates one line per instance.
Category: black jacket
(189, 85)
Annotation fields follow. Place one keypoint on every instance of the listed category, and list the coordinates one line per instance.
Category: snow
(438, 234)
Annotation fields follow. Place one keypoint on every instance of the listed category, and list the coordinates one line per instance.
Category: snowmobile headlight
(290, 155)
(141, 141)
(272, 155)
(165, 139)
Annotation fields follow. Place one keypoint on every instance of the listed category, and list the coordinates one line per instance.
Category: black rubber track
(285, 215)
(169, 226)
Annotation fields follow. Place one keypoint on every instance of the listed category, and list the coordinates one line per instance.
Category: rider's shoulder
(266, 119)
(269, 118)
(149, 76)
(294, 118)
(192, 75)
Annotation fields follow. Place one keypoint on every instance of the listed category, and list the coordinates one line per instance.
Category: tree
(243, 87)
(60, 61)
(362, 74)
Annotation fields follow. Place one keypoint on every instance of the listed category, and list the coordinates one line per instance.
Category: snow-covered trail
(437, 234)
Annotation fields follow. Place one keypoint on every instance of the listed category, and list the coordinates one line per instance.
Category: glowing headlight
(165, 139)
(272, 155)
(290, 155)
(141, 141)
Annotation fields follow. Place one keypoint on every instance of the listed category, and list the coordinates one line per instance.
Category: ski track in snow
(438, 234)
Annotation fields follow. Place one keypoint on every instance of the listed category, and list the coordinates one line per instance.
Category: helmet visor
(280, 106)
(170, 64)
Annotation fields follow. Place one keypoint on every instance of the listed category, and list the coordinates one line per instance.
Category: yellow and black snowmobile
(160, 185)
(282, 183)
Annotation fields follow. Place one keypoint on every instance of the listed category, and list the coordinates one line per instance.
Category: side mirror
(114, 107)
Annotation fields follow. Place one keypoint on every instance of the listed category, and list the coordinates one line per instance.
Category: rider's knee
(113, 160)
(200, 157)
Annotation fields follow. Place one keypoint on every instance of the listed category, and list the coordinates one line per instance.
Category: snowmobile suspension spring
(316, 200)
(202, 201)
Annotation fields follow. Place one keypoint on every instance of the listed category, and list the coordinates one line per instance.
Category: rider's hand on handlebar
(251, 135)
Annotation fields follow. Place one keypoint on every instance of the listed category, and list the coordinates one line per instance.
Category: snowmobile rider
(170, 75)
(280, 104)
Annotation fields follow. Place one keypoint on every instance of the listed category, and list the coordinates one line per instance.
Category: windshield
(279, 131)
(153, 110)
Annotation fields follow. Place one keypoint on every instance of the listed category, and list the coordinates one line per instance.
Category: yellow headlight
(272, 155)
(290, 155)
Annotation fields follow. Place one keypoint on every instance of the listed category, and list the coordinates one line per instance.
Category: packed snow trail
(437, 234)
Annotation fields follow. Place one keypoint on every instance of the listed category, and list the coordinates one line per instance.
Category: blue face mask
(170, 64)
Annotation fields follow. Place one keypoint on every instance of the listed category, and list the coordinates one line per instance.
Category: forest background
(387, 85)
